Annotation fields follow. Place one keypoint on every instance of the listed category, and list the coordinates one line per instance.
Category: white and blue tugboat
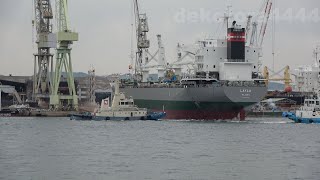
(308, 113)
(122, 108)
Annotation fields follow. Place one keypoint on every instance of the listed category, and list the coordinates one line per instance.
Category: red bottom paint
(204, 115)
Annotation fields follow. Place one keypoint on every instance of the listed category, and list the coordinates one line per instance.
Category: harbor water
(57, 148)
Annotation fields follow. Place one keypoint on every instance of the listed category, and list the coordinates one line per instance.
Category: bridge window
(318, 103)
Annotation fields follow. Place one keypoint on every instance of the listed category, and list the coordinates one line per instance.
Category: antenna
(273, 34)
(33, 23)
(228, 14)
(316, 55)
(132, 56)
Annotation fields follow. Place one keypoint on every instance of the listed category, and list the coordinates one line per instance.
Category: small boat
(308, 113)
(122, 108)
(6, 113)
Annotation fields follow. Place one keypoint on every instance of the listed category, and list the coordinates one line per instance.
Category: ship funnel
(236, 43)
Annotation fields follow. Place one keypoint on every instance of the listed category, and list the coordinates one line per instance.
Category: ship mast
(273, 35)
(316, 53)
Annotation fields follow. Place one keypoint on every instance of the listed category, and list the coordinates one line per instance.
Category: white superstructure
(310, 110)
(212, 61)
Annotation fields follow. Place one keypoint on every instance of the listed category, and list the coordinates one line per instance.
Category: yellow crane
(286, 78)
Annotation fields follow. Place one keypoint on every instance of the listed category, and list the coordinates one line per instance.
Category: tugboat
(122, 108)
(308, 113)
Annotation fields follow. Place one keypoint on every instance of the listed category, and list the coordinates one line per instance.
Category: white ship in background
(307, 77)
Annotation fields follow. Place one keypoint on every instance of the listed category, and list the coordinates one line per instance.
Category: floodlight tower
(65, 39)
(43, 59)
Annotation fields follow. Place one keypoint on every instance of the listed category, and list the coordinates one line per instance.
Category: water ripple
(37, 148)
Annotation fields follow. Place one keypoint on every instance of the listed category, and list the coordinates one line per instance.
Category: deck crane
(268, 7)
(257, 39)
(65, 39)
(286, 78)
(185, 56)
(43, 59)
(159, 57)
(143, 44)
(248, 28)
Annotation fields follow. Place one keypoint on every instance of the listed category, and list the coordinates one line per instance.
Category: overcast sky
(105, 31)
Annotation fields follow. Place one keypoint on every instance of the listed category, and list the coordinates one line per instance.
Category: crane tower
(142, 27)
(43, 59)
(65, 38)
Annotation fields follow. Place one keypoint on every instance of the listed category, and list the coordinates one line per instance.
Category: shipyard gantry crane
(43, 59)
(143, 44)
(65, 39)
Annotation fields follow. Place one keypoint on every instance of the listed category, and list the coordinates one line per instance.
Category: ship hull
(208, 103)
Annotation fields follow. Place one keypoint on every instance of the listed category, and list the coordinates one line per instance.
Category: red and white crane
(265, 11)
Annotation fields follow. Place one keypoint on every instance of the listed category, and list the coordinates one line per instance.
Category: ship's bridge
(125, 101)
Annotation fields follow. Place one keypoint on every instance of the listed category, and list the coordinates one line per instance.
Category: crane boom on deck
(268, 7)
(258, 38)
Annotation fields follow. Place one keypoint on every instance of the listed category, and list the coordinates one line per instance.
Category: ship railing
(243, 84)
(131, 109)
(194, 85)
